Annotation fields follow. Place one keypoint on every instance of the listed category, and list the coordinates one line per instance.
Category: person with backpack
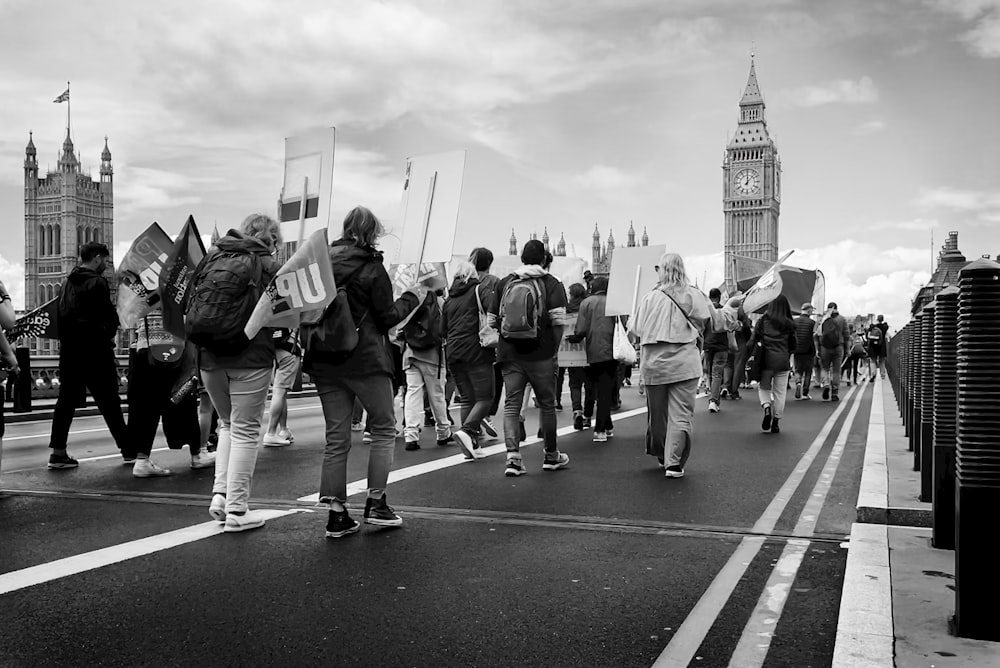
(715, 356)
(530, 315)
(669, 322)
(236, 371)
(423, 362)
(470, 357)
(286, 368)
(775, 330)
(598, 329)
(875, 345)
(348, 356)
(804, 352)
(856, 352)
(832, 341)
(87, 323)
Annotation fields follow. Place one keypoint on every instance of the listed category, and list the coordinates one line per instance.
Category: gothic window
(79, 237)
(58, 239)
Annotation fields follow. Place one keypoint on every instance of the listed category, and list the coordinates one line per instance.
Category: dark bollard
(907, 354)
(927, 404)
(945, 415)
(977, 454)
(23, 384)
(916, 387)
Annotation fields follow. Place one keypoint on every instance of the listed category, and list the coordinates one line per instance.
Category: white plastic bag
(621, 347)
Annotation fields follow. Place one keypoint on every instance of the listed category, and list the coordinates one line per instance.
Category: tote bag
(621, 347)
(488, 337)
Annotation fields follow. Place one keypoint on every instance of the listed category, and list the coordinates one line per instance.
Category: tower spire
(751, 94)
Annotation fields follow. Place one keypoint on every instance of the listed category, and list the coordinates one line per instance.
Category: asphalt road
(604, 563)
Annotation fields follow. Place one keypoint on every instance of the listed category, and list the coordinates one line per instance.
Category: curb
(865, 631)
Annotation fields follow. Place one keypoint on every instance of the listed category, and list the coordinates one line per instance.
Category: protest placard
(187, 252)
(633, 273)
(309, 179)
(41, 322)
(432, 191)
(766, 289)
(571, 354)
(139, 274)
(301, 289)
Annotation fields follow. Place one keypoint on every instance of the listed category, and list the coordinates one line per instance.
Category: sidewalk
(898, 590)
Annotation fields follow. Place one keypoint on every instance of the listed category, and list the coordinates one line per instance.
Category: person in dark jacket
(88, 323)
(581, 390)
(776, 331)
(716, 354)
(470, 364)
(804, 354)
(599, 331)
(237, 383)
(736, 361)
(365, 374)
(482, 260)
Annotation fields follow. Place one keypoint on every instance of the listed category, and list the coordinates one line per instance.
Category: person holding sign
(530, 315)
(599, 330)
(353, 360)
(668, 323)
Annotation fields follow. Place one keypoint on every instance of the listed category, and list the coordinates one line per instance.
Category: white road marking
(751, 651)
(60, 568)
(685, 643)
(359, 486)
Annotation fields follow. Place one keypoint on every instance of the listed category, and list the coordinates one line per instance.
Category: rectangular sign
(572, 354)
(308, 159)
(432, 192)
(626, 264)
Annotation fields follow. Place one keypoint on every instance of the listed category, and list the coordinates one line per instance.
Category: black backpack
(875, 335)
(224, 290)
(334, 336)
(423, 331)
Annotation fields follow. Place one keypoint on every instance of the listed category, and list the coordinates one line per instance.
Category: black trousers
(604, 377)
(149, 388)
(81, 369)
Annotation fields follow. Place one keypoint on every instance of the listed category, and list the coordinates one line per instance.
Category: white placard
(628, 264)
(308, 159)
(432, 191)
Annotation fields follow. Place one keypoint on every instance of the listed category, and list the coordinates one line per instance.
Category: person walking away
(482, 259)
(155, 366)
(344, 369)
(884, 326)
(805, 351)
(668, 324)
(87, 322)
(236, 372)
(598, 329)
(716, 354)
(471, 364)
(423, 361)
(736, 362)
(286, 368)
(875, 348)
(776, 332)
(581, 390)
(8, 361)
(857, 352)
(832, 340)
(530, 315)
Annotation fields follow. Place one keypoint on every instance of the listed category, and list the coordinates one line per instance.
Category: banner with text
(139, 274)
(41, 323)
(571, 354)
(187, 252)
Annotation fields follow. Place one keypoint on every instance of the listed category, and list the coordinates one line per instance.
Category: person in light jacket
(668, 324)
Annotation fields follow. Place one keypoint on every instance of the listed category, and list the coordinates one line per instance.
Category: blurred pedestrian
(286, 369)
(598, 329)
(775, 330)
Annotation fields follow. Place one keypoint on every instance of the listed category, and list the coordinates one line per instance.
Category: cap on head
(832, 305)
(807, 306)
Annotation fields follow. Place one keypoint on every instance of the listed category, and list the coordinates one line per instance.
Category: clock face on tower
(747, 181)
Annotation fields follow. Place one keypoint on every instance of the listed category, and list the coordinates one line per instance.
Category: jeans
(772, 390)
(581, 391)
(735, 370)
(421, 376)
(516, 375)
(475, 385)
(239, 396)
(603, 376)
(337, 395)
(670, 421)
(497, 389)
(93, 369)
(831, 359)
(149, 388)
(804, 371)
(715, 367)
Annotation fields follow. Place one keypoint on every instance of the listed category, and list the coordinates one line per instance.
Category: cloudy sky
(572, 113)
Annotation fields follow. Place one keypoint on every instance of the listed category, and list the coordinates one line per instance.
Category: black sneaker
(798, 390)
(765, 424)
(725, 393)
(826, 394)
(488, 428)
(559, 406)
(62, 462)
(378, 512)
(340, 524)
(447, 440)
(674, 471)
(428, 420)
(735, 395)
(835, 397)
(775, 429)
(578, 421)
(586, 422)
(412, 445)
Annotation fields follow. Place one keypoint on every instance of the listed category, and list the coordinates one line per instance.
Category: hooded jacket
(260, 353)
(360, 271)
(87, 318)
(460, 324)
(547, 345)
(716, 341)
(597, 328)
(841, 324)
(778, 340)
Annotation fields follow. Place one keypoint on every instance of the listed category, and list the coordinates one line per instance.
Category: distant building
(601, 255)
(950, 262)
(62, 211)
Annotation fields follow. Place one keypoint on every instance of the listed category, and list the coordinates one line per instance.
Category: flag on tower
(64, 97)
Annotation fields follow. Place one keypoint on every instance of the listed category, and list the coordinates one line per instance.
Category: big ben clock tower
(751, 191)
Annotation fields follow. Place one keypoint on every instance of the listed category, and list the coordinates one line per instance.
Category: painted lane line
(80, 563)
(359, 486)
(755, 642)
(685, 643)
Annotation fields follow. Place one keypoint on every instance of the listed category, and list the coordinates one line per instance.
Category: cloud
(915, 225)
(983, 38)
(985, 206)
(870, 127)
(608, 182)
(12, 276)
(842, 91)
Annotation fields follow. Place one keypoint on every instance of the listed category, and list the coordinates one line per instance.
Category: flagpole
(68, 103)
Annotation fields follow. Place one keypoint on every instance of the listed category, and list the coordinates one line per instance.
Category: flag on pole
(175, 277)
(300, 291)
(64, 97)
(139, 274)
(767, 288)
(41, 323)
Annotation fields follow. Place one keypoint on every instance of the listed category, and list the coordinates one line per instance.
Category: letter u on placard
(311, 284)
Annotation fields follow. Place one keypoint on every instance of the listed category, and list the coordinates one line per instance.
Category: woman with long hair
(776, 332)
(668, 323)
(237, 383)
(470, 364)
(366, 373)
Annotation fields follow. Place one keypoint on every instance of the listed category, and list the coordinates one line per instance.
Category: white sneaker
(249, 520)
(217, 509)
(466, 443)
(600, 437)
(275, 441)
(203, 460)
(145, 468)
(366, 437)
(713, 407)
(488, 428)
(287, 435)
